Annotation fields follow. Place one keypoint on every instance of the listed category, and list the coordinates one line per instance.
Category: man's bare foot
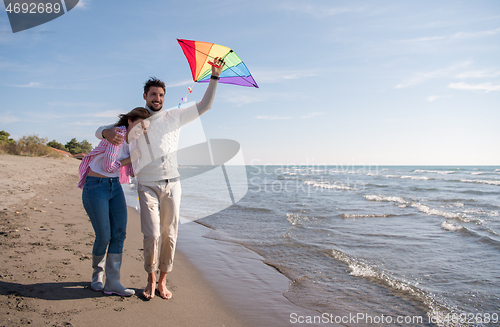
(162, 286)
(149, 290)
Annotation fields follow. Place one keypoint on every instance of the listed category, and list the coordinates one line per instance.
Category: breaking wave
(361, 269)
(326, 185)
(345, 215)
(435, 171)
(382, 198)
(478, 181)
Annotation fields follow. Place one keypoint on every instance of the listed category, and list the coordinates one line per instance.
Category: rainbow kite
(200, 56)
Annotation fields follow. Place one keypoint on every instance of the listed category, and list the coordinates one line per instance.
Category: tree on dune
(56, 145)
(86, 146)
(4, 137)
(75, 147)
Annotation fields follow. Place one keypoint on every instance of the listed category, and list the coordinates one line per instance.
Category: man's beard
(152, 108)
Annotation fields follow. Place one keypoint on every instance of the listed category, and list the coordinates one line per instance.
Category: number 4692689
(33, 8)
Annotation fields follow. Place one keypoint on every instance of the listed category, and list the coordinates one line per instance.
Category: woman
(101, 172)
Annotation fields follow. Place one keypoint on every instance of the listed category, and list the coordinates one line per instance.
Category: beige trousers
(160, 202)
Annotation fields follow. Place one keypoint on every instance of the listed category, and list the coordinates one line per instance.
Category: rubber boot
(113, 285)
(98, 262)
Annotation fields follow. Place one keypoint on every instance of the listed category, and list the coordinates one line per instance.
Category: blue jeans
(104, 201)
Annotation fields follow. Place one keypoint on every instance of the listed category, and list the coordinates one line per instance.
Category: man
(158, 182)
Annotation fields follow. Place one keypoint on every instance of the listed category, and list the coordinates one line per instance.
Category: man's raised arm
(193, 112)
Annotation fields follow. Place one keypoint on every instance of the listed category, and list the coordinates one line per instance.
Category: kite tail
(185, 98)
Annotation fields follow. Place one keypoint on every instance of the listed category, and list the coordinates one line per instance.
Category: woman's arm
(125, 161)
(110, 164)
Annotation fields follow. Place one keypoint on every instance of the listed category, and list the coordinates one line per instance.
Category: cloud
(108, 113)
(244, 99)
(243, 96)
(425, 39)
(420, 78)
(274, 76)
(88, 123)
(311, 115)
(308, 116)
(478, 74)
(7, 65)
(456, 36)
(450, 72)
(39, 85)
(318, 11)
(241, 99)
(42, 115)
(7, 119)
(83, 4)
(181, 83)
(265, 117)
(432, 98)
(486, 87)
(31, 84)
(76, 104)
(100, 114)
(463, 35)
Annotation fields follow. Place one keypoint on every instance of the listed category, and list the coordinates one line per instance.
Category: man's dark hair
(153, 81)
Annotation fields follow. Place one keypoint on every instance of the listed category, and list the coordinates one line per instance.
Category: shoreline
(250, 287)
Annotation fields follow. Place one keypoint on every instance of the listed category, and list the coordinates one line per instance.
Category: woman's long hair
(133, 115)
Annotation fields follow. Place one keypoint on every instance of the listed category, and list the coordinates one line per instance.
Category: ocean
(400, 245)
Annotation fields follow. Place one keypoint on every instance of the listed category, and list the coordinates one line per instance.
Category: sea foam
(435, 212)
(381, 198)
(434, 171)
(326, 185)
(416, 177)
(296, 219)
(477, 181)
(344, 215)
(449, 226)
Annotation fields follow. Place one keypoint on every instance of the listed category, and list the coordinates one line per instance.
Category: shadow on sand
(51, 291)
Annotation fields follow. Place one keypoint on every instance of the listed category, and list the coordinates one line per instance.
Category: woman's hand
(125, 161)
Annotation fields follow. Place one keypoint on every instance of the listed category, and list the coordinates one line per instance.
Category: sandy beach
(46, 241)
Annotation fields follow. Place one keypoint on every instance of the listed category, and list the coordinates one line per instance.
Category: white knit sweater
(171, 123)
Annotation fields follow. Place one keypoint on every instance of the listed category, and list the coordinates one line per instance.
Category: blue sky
(341, 82)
